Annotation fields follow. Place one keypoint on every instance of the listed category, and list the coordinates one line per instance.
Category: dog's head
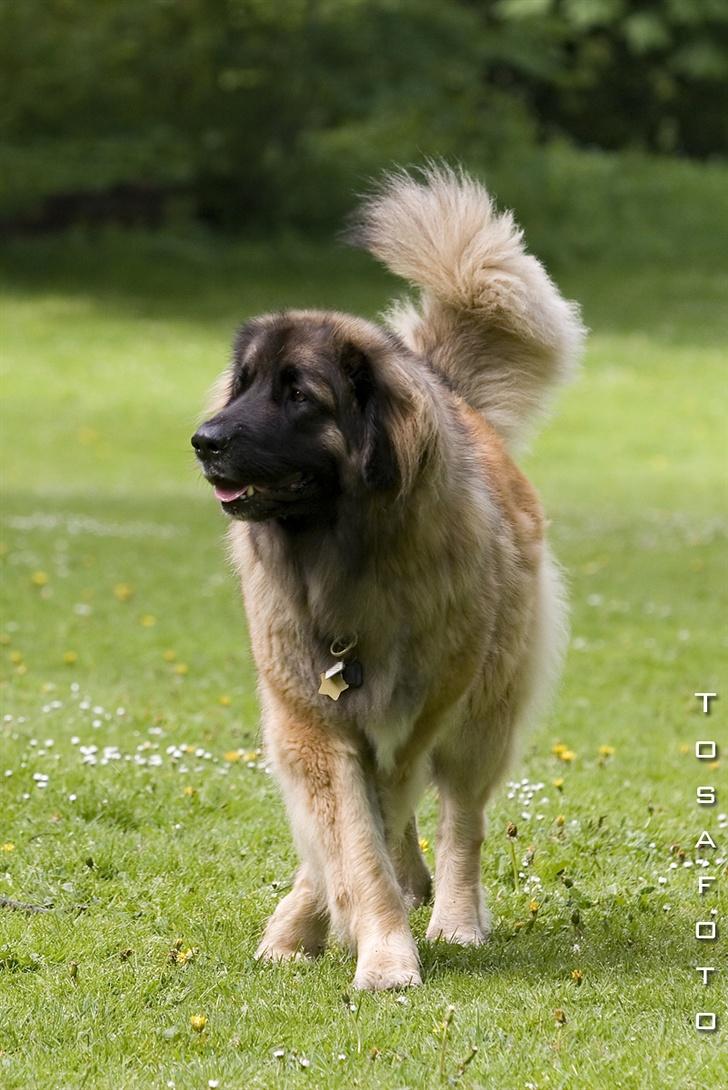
(313, 405)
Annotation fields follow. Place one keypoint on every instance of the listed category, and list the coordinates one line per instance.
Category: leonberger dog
(406, 616)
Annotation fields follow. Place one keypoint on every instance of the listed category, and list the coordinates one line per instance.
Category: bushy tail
(489, 318)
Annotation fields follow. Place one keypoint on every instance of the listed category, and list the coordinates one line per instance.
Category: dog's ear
(244, 337)
(379, 465)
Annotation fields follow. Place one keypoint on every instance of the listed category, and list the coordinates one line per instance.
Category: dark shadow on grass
(194, 278)
(197, 277)
(627, 943)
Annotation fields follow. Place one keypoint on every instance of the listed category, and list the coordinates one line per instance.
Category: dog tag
(333, 682)
(354, 674)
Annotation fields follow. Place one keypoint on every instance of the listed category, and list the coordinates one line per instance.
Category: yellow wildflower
(424, 844)
(8, 846)
(123, 592)
(606, 751)
(577, 976)
(181, 668)
(16, 657)
(558, 749)
(189, 790)
(181, 955)
(39, 578)
(70, 657)
(568, 755)
(169, 655)
(533, 907)
(198, 1022)
(560, 819)
(148, 620)
(558, 783)
(225, 700)
(232, 755)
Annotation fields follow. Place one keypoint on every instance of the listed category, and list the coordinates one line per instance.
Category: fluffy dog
(406, 615)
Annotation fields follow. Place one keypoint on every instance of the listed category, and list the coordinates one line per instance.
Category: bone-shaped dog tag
(333, 682)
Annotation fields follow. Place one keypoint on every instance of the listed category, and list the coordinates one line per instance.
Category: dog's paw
(462, 932)
(458, 934)
(416, 889)
(280, 952)
(379, 978)
(391, 963)
(295, 931)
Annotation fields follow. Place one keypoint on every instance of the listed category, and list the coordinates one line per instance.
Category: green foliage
(606, 207)
(626, 73)
(265, 113)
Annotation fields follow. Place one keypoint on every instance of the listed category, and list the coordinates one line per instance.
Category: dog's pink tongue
(227, 495)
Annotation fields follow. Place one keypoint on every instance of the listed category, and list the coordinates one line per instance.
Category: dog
(406, 616)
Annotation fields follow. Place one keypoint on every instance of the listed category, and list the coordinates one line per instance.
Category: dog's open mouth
(288, 488)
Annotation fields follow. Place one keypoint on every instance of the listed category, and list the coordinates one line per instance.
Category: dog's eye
(297, 395)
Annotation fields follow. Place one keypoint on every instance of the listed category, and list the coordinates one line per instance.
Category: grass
(113, 560)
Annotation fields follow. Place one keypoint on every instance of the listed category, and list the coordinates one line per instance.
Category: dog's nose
(211, 438)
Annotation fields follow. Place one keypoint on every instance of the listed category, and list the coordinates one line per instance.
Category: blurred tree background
(255, 113)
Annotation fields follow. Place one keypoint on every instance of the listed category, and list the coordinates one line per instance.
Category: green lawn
(170, 830)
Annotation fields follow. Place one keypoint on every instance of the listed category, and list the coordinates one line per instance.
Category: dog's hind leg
(412, 874)
(459, 914)
(465, 766)
(300, 923)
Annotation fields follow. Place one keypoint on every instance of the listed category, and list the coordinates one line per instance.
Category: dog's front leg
(340, 834)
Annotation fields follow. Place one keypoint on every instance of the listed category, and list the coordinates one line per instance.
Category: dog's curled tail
(489, 318)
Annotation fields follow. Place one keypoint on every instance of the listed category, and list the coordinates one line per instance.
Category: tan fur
(488, 315)
(456, 602)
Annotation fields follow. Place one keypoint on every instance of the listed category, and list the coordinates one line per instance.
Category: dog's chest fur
(418, 606)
